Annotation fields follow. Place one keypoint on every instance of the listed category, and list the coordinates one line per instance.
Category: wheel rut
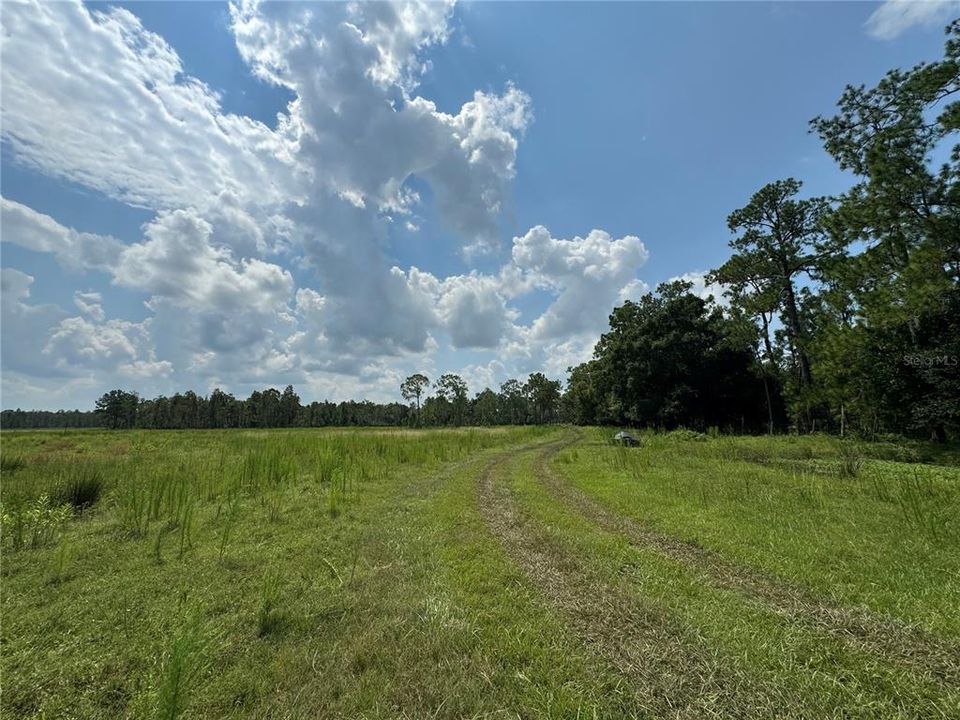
(865, 631)
(669, 670)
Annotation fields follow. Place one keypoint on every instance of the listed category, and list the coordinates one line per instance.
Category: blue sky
(335, 196)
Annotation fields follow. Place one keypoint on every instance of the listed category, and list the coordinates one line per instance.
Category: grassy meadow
(522, 572)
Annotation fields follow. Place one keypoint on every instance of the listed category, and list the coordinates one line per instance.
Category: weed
(60, 561)
(158, 543)
(923, 506)
(274, 504)
(269, 618)
(181, 667)
(685, 435)
(851, 460)
(34, 525)
(186, 524)
(327, 464)
(233, 512)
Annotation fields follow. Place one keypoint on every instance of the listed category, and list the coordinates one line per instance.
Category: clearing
(523, 572)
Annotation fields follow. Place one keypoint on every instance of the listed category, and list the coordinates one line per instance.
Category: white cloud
(27, 228)
(633, 290)
(111, 345)
(93, 97)
(40, 340)
(701, 288)
(237, 202)
(177, 261)
(474, 311)
(587, 274)
(895, 17)
(88, 303)
(25, 325)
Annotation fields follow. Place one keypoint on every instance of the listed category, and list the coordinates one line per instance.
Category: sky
(334, 196)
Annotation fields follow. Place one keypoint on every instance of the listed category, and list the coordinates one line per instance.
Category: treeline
(24, 419)
(444, 403)
(845, 311)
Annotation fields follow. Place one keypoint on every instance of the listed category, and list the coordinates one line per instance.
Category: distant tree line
(23, 419)
(844, 311)
(443, 403)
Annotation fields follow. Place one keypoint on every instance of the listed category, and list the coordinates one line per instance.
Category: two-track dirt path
(668, 667)
(670, 672)
(864, 630)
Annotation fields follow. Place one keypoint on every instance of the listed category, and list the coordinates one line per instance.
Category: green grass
(791, 669)
(887, 538)
(358, 573)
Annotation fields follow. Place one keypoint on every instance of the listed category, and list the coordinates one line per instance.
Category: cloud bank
(269, 255)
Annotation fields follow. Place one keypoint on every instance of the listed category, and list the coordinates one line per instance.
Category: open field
(524, 572)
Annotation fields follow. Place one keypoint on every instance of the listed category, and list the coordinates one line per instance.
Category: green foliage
(851, 305)
(34, 525)
(270, 618)
(118, 409)
(181, 666)
(413, 388)
(668, 361)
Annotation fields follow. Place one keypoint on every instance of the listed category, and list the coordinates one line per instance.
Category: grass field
(525, 572)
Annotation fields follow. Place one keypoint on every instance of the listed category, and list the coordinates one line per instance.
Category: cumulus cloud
(237, 202)
(25, 325)
(27, 228)
(41, 340)
(895, 17)
(474, 311)
(587, 274)
(177, 261)
(701, 288)
(79, 342)
(88, 303)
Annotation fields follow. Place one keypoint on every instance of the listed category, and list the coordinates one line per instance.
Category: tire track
(908, 646)
(670, 672)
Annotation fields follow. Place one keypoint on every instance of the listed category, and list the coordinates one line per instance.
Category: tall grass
(926, 507)
(230, 520)
(182, 664)
(269, 617)
(80, 487)
(34, 525)
(10, 463)
(162, 483)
